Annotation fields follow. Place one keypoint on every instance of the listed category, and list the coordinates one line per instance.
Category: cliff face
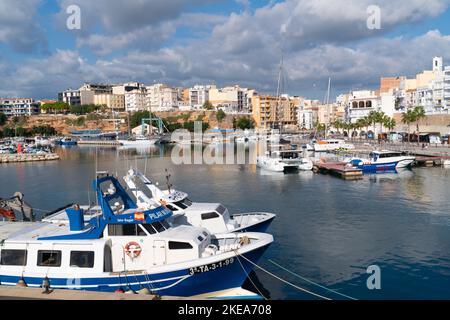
(205, 116)
(64, 124)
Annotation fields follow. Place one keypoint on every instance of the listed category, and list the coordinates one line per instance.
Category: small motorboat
(384, 160)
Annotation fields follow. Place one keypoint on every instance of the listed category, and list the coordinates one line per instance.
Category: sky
(226, 42)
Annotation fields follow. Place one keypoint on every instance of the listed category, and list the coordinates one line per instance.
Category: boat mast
(327, 123)
(280, 89)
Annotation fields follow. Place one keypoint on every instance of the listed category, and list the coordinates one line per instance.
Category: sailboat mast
(279, 92)
(327, 123)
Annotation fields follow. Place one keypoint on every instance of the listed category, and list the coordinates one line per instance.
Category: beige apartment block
(270, 111)
(111, 101)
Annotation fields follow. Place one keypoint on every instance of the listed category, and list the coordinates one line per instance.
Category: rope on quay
(282, 280)
(309, 281)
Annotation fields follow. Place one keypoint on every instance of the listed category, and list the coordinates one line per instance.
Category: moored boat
(331, 145)
(213, 216)
(383, 161)
(123, 246)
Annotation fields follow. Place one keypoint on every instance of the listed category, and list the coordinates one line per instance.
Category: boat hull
(185, 282)
(260, 226)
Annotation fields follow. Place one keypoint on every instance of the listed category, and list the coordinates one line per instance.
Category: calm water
(327, 230)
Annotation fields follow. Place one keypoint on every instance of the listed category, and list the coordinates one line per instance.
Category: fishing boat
(383, 161)
(331, 145)
(66, 141)
(213, 216)
(124, 247)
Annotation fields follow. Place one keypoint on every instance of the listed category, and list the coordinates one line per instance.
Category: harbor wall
(432, 123)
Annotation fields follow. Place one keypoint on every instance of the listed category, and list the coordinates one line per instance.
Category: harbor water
(327, 230)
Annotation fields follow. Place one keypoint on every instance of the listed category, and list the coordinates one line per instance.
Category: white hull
(405, 162)
(138, 143)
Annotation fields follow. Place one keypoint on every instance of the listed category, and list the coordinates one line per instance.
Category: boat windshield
(183, 204)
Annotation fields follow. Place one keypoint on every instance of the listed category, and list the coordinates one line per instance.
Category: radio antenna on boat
(168, 181)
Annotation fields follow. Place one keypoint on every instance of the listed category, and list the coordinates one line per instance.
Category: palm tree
(408, 117)
(389, 123)
(419, 114)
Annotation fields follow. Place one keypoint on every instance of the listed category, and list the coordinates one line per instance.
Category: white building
(161, 97)
(361, 103)
(136, 100)
(447, 88)
(70, 96)
(233, 99)
(198, 95)
(18, 106)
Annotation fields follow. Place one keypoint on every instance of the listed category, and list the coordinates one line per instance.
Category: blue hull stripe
(178, 283)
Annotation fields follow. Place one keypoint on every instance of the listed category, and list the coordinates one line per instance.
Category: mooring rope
(248, 277)
(282, 280)
(309, 281)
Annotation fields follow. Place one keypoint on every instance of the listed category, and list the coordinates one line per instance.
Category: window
(209, 215)
(49, 258)
(171, 208)
(82, 259)
(125, 230)
(200, 238)
(221, 209)
(11, 257)
(175, 245)
(158, 226)
(149, 228)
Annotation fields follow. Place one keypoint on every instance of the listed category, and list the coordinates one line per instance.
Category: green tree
(136, 118)
(419, 114)
(8, 132)
(2, 118)
(220, 115)
(389, 123)
(208, 105)
(244, 123)
(56, 107)
(407, 118)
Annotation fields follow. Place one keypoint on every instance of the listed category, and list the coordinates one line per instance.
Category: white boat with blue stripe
(124, 247)
(380, 161)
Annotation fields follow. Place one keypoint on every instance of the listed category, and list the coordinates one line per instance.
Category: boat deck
(340, 169)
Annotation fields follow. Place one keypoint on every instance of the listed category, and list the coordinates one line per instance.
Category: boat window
(107, 263)
(158, 226)
(10, 257)
(47, 258)
(125, 230)
(176, 245)
(183, 204)
(82, 259)
(149, 228)
(165, 224)
(200, 238)
(171, 208)
(209, 215)
(221, 209)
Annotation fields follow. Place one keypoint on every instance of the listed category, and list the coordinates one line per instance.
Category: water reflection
(327, 230)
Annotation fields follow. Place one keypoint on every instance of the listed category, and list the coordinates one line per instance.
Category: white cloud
(245, 48)
(19, 27)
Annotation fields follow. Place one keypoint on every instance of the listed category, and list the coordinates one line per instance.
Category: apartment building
(162, 97)
(114, 102)
(18, 106)
(198, 95)
(271, 112)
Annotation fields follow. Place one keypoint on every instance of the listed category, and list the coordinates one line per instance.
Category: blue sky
(185, 42)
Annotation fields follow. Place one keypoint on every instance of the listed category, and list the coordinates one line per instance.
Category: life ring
(133, 249)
